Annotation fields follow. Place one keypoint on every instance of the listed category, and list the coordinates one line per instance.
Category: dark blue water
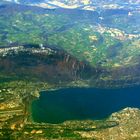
(81, 103)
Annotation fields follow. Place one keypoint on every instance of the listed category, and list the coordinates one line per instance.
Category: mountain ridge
(89, 4)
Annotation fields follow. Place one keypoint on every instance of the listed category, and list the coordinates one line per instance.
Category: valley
(62, 46)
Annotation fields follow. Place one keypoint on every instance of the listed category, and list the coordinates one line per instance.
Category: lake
(82, 103)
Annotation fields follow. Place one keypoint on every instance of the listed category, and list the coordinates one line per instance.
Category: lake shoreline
(59, 96)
